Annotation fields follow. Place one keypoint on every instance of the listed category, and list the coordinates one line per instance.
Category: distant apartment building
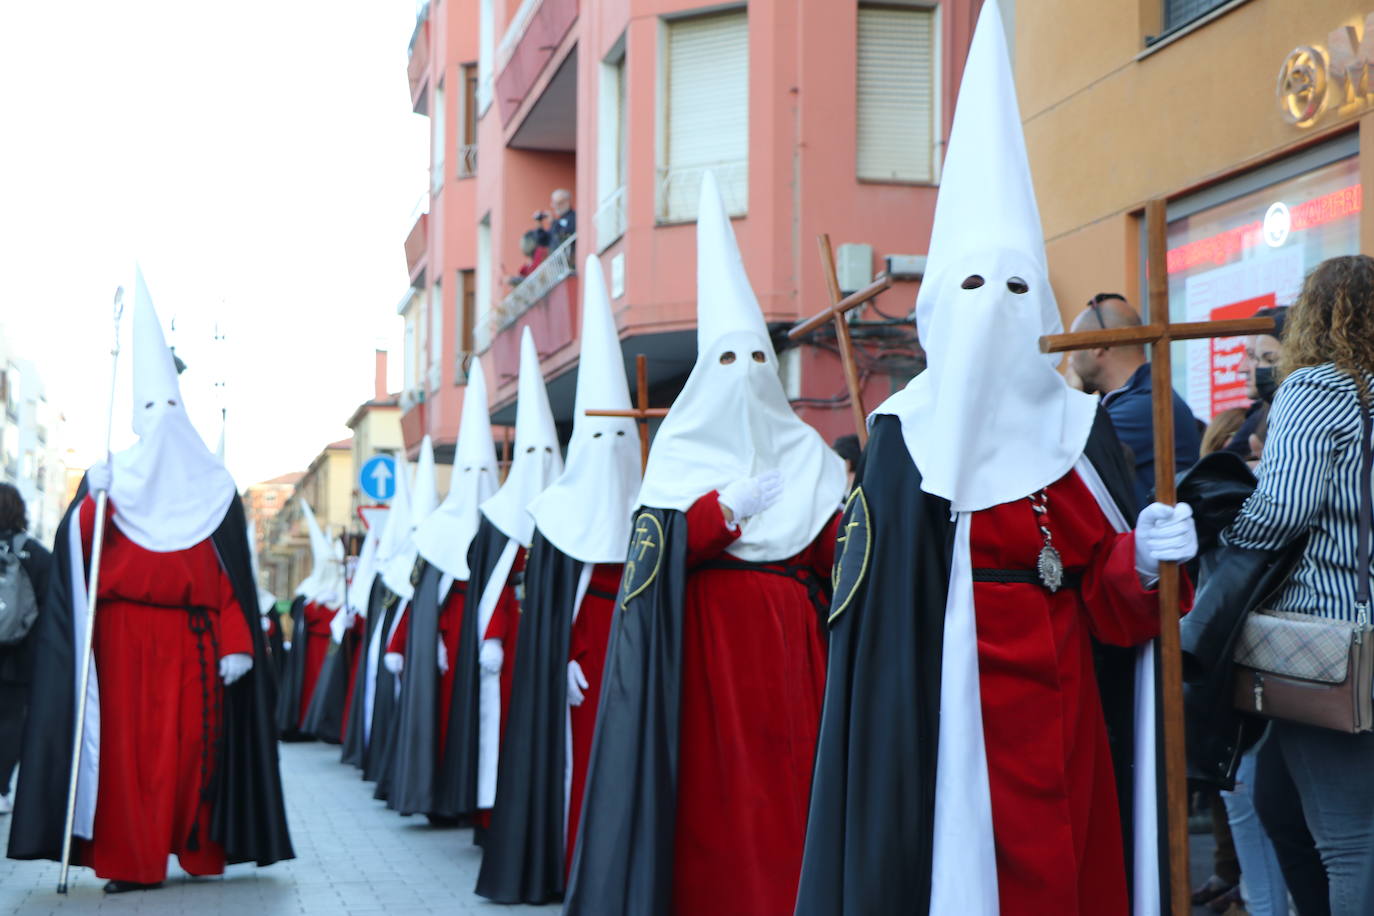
(816, 118)
(30, 454)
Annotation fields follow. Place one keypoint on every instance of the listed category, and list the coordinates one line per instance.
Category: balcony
(417, 69)
(534, 36)
(417, 245)
(557, 267)
(610, 219)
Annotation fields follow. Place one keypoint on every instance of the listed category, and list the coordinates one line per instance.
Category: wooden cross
(840, 305)
(641, 414)
(1159, 334)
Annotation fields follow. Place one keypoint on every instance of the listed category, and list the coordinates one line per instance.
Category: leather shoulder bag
(1314, 670)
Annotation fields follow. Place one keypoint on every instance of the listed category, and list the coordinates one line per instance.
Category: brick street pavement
(353, 857)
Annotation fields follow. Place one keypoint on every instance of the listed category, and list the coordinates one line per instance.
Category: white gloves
(750, 496)
(393, 662)
(233, 667)
(491, 656)
(577, 683)
(1164, 533)
(99, 477)
(266, 624)
(443, 658)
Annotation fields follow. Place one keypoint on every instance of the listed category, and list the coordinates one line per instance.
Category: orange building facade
(817, 117)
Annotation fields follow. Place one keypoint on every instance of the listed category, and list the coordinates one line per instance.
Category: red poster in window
(1228, 355)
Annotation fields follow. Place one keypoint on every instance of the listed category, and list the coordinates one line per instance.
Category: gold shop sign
(1316, 79)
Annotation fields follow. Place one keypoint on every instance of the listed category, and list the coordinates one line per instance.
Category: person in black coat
(16, 661)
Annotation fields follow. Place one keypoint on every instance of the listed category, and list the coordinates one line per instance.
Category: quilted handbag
(1308, 669)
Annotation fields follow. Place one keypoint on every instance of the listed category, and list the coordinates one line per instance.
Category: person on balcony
(534, 252)
(564, 220)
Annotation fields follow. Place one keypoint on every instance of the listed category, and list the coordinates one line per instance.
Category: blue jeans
(1262, 882)
(1333, 775)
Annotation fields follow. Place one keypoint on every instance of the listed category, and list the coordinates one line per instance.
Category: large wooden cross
(840, 305)
(1159, 334)
(641, 414)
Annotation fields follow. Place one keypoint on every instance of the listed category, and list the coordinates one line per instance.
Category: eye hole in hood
(973, 281)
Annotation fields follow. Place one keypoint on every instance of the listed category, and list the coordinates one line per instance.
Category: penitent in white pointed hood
(586, 513)
(444, 537)
(360, 588)
(310, 586)
(990, 420)
(537, 461)
(169, 491)
(732, 419)
(419, 505)
(266, 600)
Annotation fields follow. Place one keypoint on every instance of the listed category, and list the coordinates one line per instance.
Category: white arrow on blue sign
(378, 477)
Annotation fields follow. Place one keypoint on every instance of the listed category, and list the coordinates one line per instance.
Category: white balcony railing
(610, 219)
(467, 160)
(678, 190)
(557, 267)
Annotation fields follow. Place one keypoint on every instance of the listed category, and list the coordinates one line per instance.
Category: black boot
(123, 887)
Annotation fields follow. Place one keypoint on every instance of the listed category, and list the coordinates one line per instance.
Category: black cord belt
(1072, 580)
(598, 593)
(816, 588)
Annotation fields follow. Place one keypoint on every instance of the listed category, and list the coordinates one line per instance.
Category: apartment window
(486, 44)
(896, 94)
(1178, 13)
(482, 324)
(467, 122)
(705, 111)
(436, 170)
(412, 357)
(436, 335)
(467, 315)
(611, 153)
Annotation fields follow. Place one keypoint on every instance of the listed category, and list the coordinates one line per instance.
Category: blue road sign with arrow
(378, 477)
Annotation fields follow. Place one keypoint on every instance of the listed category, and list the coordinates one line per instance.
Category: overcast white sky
(260, 161)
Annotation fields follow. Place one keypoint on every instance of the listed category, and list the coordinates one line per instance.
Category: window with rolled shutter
(896, 94)
(706, 99)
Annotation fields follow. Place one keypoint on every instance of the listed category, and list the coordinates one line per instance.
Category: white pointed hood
(310, 586)
(989, 420)
(360, 588)
(444, 537)
(169, 491)
(586, 513)
(732, 419)
(419, 501)
(537, 461)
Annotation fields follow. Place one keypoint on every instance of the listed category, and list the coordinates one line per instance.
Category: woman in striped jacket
(1309, 482)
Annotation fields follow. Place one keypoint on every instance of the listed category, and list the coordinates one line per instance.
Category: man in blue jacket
(1122, 376)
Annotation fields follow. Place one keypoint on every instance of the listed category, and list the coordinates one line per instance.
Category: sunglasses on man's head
(1095, 303)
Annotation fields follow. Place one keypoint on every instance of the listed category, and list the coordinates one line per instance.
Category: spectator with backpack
(24, 565)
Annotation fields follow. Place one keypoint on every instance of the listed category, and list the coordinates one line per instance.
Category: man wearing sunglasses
(1121, 375)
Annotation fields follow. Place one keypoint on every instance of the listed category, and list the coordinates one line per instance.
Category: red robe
(505, 626)
(587, 644)
(317, 637)
(1054, 804)
(159, 703)
(450, 627)
(357, 633)
(753, 681)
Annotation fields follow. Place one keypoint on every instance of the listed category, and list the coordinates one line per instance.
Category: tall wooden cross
(840, 305)
(641, 414)
(1159, 334)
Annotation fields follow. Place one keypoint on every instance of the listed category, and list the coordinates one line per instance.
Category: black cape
(276, 647)
(623, 863)
(456, 792)
(383, 698)
(324, 715)
(522, 856)
(354, 737)
(869, 841)
(393, 754)
(248, 814)
(288, 709)
(415, 749)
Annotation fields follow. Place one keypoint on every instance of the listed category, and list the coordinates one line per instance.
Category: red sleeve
(1121, 611)
(234, 637)
(398, 639)
(707, 532)
(86, 517)
(823, 549)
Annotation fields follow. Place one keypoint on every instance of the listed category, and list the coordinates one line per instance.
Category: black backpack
(18, 604)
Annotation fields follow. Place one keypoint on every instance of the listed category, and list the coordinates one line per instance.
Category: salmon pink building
(817, 116)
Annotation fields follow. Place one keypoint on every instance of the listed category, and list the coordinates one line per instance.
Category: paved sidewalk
(353, 857)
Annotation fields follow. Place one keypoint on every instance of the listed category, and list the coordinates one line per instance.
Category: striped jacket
(1309, 481)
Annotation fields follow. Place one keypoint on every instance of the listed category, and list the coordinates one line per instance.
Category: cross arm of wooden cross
(1160, 334)
(835, 312)
(642, 413)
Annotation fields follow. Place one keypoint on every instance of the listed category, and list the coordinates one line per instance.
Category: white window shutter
(707, 104)
(896, 94)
